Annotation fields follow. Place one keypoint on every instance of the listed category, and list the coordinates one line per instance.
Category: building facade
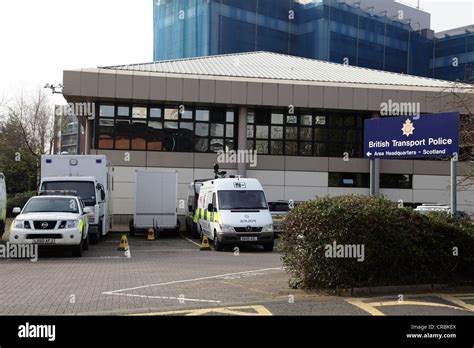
(304, 118)
(383, 34)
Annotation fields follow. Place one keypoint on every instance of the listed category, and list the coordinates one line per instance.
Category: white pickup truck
(52, 220)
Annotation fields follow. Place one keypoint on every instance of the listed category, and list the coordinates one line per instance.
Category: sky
(41, 38)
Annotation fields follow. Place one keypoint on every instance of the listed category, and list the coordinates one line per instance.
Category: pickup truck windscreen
(84, 189)
(51, 205)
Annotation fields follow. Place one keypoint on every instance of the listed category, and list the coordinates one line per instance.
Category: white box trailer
(91, 177)
(3, 204)
(156, 199)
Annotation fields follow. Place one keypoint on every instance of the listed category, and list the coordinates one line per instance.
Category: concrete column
(242, 139)
(87, 137)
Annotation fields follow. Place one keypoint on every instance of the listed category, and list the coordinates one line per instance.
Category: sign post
(454, 198)
(429, 136)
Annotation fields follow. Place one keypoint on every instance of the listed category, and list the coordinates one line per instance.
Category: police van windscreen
(242, 200)
(84, 189)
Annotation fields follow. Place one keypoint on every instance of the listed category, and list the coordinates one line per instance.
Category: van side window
(214, 203)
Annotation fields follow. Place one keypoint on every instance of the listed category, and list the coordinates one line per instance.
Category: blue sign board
(435, 135)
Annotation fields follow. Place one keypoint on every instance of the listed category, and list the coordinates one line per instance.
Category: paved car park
(171, 276)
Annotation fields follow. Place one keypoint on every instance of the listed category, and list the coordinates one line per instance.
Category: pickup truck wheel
(77, 249)
(217, 245)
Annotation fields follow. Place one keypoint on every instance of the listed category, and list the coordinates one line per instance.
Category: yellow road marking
(371, 307)
(365, 306)
(258, 310)
(457, 301)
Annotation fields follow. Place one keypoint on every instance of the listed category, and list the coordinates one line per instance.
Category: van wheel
(131, 227)
(268, 246)
(77, 249)
(217, 245)
(86, 242)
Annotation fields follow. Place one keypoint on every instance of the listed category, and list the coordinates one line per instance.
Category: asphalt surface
(171, 276)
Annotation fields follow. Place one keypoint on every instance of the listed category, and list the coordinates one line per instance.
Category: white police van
(234, 211)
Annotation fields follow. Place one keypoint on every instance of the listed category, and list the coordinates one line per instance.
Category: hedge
(18, 200)
(401, 246)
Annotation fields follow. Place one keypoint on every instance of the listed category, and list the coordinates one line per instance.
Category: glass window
(218, 115)
(320, 134)
(139, 112)
(201, 144)
(171, 125)
(320, 150)
(306, 133)
(187, 125)
(277, 118)
(229, 131)
(277, 132)
(202, 129)
(230, 143)
(306, 149)
(262, 132)
(250, 131)
(155, 131)
(122, 135)
(320, 120)
(171, 114)
(396, 181)
(292, 119)
(187, 115)
(217, 130)
(107, 111)
(291, 133)
(217, 144)
(262, 147)
(306, 120)
(251, 117)
(250, 145)
(123, 111)
(349, 180)
(155, 112)
(202, 115)
(106, 134)
(276, 147)
(291, 148)
(230, 116)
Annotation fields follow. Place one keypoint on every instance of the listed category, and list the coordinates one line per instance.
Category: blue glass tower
(347, 32)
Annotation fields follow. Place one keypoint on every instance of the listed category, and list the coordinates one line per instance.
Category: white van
(3, 204)
(91, 177)
(234, 211)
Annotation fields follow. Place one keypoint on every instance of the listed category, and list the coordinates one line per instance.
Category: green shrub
(18, 200)
(401, 246)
